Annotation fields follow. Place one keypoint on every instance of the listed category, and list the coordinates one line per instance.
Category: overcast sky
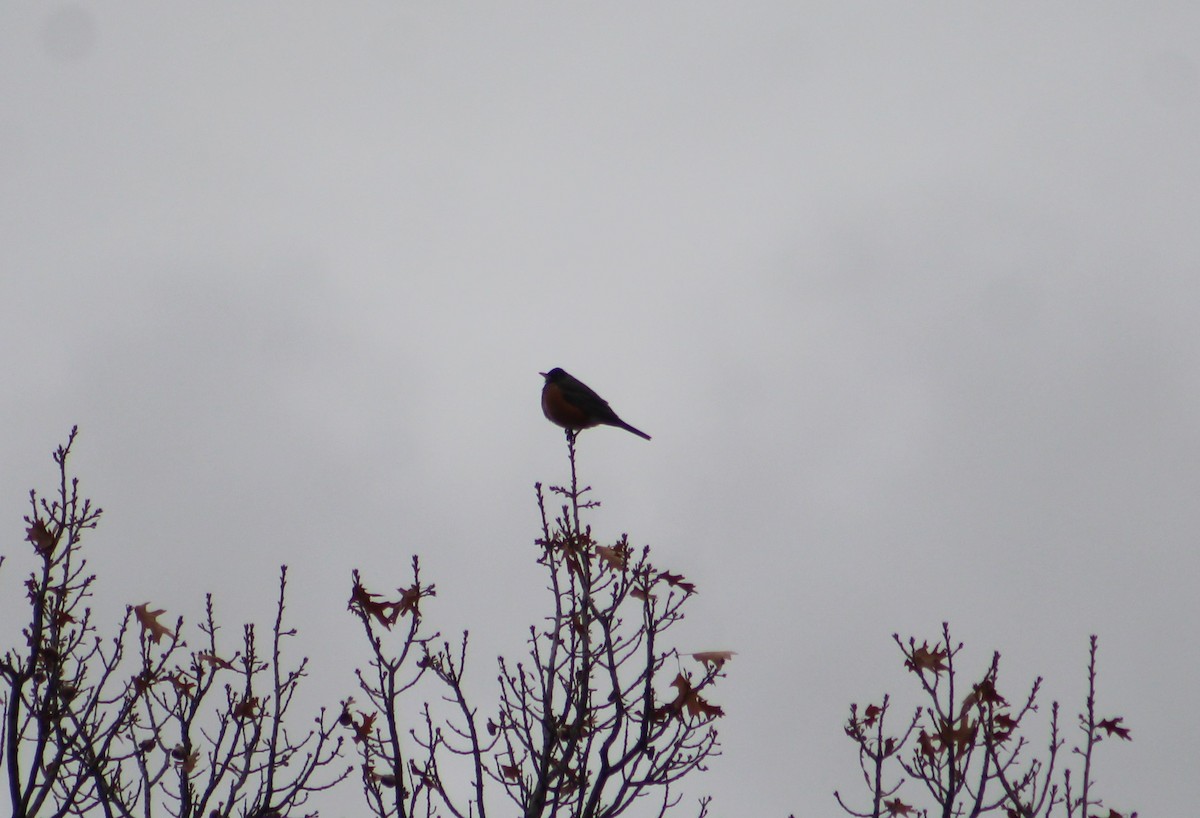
(908, 297)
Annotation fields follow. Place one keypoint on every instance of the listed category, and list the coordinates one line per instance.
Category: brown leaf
(363, 730)
(511, 772)
(677, 581)
(214, 660)
(985, 693)
(410, 599)
(43, 541)
(691, 701)
(925, 743)
(961, 736)
(366, 602)
(246, 708)
(187, 761)
(148, 619)
(181, 682)
(897, 807)
(871, 714)
(1113, 727)
(714, 658)
(925, 659)
(1003, 726)
(617, 558)
(142, 682)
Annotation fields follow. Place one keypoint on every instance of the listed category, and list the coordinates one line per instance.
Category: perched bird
(572, 405)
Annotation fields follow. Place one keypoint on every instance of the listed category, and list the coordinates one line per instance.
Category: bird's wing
(582, 395)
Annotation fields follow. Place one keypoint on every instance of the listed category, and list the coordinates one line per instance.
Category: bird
(571, 404)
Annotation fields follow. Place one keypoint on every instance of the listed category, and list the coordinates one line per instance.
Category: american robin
(572, 405)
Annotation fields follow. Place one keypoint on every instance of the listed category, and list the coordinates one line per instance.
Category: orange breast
(556, 409)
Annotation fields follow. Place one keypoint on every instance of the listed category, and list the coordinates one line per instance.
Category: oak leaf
(367, 603)
(181, 682)
(1113, 727)
(39, 534)
(142, 682)
(410, 600)
(1003, 725)
(214, 660)
(688, 699)
(677, 581)
(148, 619)
(641, 593)
(617, 558)
(246, 708)
(985, 693)
(714, 658)
(363, 730)
(961, 736)
(897, 807)
(925, 659)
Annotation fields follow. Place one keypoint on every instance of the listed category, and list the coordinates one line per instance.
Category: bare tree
(971, 755)
(134, 724)
(600, 715)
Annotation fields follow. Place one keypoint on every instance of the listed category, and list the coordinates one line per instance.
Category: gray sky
(907, 297)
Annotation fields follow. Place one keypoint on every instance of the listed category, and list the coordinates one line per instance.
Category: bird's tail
(623, 425)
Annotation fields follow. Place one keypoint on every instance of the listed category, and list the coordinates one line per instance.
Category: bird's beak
(543, 374)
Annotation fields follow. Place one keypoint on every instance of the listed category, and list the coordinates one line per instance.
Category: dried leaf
(1113, 727)
(715, 658)
(39, 534)
(925, 743)
(617, 558)
(148, 619)
(368, 603)
(182, 683)
(246, 708)
(691, 701)
(925, 659)
(363, 730)
(985, 693)
(961, 736)
(677, 581)
(871, 714)
(214, 660)
(410, 599)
